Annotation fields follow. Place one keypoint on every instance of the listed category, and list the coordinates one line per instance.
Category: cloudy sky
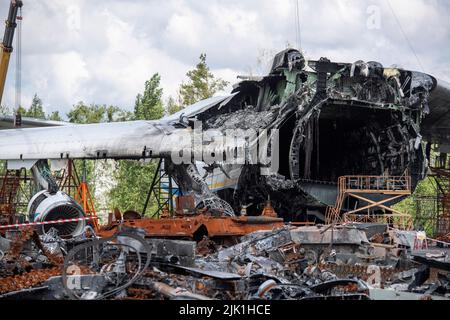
(103, 51)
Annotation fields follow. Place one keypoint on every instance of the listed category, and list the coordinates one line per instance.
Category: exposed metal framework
(77, 188)
(69, 180)
(442, 178)
(389, 189)
(162, 189)
(426, 214)
(433, 211)
(13, 194)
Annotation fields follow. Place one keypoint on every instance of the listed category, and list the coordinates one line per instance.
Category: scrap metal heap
(352, 261)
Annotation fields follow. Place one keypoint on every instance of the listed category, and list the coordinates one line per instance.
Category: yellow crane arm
(4, 62)
(6, 46)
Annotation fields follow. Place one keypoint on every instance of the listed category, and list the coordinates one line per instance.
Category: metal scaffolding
(14, 196)
(77, 188)
(390, 188)
(433, 210)
(162, 190)
(442, 178)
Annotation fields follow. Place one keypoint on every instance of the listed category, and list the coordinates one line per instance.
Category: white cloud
(70, 72)
(103, 51)
(185, 27)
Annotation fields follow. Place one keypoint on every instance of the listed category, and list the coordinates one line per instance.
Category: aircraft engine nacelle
(45, 206)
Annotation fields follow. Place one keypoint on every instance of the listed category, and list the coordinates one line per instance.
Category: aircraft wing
(436, 125)
(7, 122)
(118, 140)
(201, 106)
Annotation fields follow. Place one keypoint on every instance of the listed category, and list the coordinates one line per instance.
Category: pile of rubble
(353, 261)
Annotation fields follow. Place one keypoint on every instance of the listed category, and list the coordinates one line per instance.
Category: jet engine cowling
(45, 206)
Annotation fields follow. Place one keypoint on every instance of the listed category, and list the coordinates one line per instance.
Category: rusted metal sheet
(199, 225)
(27, 280)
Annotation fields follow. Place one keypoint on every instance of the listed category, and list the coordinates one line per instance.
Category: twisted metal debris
(290, 263)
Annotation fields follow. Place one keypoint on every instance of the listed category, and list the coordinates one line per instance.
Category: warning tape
(21, 225)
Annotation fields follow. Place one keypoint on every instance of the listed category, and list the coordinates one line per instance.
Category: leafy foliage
(134, 178)
(172, 106)
(36, 109)
(4, 111)
(94, 113)
(202, 84)
(425, 188)
(149, 105)
(54, 116)
(83, 114)
(133, 182)
(2, 167)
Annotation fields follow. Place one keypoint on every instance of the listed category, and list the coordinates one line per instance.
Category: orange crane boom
(6, 46)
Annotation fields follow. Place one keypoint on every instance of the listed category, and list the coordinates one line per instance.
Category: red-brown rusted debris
(20, 238)
(206, 246)
(289, 262)
(27, 280)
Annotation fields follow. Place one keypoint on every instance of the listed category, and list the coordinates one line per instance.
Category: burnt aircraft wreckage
(331, 119)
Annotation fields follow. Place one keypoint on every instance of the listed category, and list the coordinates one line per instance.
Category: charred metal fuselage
(332, 119)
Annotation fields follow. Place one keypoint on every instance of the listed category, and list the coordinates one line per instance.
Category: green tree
(133, 182)
(123, 115)
(110, 113)
(36, 109)
(21, 110)
(82, 113)
(4, 111)
(54, 116)
(173, 107)
(202, 84)
(413, 206)
(2, 167)
(95, 113)
(134, 178)
(149, 106)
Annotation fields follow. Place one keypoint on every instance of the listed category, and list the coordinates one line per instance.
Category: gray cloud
(103, 51)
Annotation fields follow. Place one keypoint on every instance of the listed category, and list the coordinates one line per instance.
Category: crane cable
(404, 35)
(18, 88)
(298, 34)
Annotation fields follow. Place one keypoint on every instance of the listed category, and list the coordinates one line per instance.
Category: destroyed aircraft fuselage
(337, 119)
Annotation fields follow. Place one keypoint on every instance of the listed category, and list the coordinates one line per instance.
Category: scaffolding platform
(390, 188)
